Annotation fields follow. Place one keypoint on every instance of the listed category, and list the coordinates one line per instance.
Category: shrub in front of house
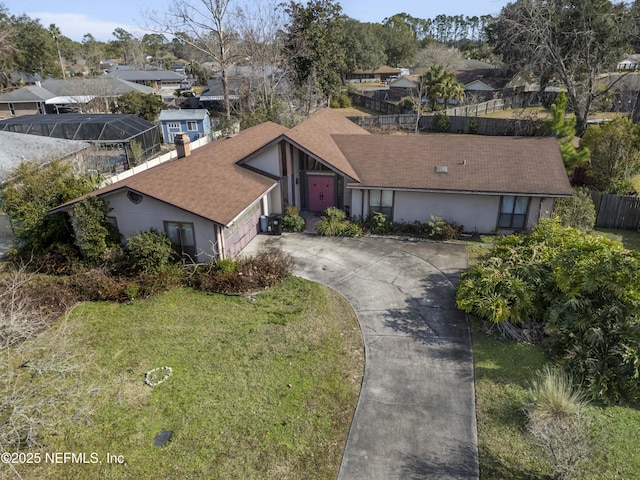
(266, 269)
(334, 223)
(292, 221)
(435, 229)
(582, 291)
(150, 252)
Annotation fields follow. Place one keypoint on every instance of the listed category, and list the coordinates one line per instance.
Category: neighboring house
(210, 202)
(406, 86)
(195, 123)
(482, 84)
(19, 147)
(155, 78)
(55, 96)
(24, 78)
(118, 139)
(629, 63)
(27, 100)
(377, 75)
(625, 90)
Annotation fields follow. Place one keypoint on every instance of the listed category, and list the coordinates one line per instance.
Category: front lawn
(629, 238)
(263, 386)
(503, 370)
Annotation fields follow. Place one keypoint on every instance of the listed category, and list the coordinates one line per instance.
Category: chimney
(183, 145)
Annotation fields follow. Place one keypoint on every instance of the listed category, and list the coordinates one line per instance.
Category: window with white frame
(513, 212)
(173, 125)
(381, 201)
(192, 126)
(12, 109)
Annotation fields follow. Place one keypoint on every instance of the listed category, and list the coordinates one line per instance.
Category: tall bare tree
(261, 46)
(571, 41)
(209, 26)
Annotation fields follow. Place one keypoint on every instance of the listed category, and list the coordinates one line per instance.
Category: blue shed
(195, 123)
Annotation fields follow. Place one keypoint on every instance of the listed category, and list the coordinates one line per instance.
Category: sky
(75, 18)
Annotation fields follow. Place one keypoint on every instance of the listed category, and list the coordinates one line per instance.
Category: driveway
(415, 417)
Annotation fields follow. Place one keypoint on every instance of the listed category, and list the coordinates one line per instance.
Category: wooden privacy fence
(480, 126)
(405, 121)
(616, 211)
(382, 106)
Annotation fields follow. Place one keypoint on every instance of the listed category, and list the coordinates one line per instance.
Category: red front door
(321, 192)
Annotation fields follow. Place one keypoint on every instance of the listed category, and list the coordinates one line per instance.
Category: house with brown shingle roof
(210, 202)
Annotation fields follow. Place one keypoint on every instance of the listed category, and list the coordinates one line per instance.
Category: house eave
(464, 192)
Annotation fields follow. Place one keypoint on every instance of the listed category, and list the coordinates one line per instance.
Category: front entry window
(381, 201)
(182, 238)
(513, 212)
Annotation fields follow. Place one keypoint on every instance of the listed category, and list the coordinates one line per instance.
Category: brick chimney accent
(183, 145)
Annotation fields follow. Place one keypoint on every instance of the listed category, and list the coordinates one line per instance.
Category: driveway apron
(415, 416)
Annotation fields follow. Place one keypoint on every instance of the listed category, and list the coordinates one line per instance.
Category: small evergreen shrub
(439, 229)
(226, 266)
(441, 122)
(292, 221)
(150, 251)
(378, 223)
(342, 100)
(334, 223)
(578, 211)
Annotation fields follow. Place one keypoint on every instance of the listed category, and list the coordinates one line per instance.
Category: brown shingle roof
(208, 183)
(314, 136)
(380, 69)
(475, 163)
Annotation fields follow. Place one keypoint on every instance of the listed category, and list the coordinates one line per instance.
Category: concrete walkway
(415, 417)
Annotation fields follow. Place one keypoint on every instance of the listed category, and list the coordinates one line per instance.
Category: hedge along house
(210, 203)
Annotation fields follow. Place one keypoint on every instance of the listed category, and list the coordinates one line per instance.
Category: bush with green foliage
(378, 223)
(31, 191)
(584, 292)
(150, 252)
(143, 105)
(578, 211)
(441, 122)
(342, 100)
(292, 221)
(334, 223)
(407, 103)
(228, 265)
(615, 155)
(94, 234)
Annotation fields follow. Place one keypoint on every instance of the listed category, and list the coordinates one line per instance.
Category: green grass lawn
(628, 238)
(262, 387)
(503, 370)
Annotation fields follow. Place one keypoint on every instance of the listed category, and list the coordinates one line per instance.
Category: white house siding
(267, 161)
(539, 207)
(273, 202)
(474, 212)
(356, 203)
(150, 213)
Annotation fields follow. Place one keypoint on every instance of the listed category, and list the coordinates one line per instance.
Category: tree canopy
(570, 41)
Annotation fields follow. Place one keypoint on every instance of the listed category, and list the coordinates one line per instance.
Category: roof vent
(442, 169)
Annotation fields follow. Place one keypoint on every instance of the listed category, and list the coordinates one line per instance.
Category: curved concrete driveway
(415, 417)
